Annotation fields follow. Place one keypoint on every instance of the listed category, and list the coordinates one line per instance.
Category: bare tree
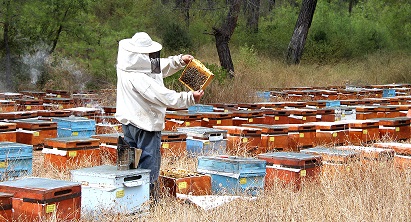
(252, 13)
(223, 35)
(296, 45)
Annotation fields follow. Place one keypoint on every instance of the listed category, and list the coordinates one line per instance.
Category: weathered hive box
(300, 116)
(87, 112)
(106, 188)
(108, 138)
(225, 107)
(301, 136)
(394, 128)
(210, 119)
(39, 199)
(7, 106)
(388, 111)
(345, 113)
(105, 128)
(8, 131)
(332, 155)
(291, 168)
(75, 126)
(29, 104)
(366, 112)
(85, 99)
(35, 131)
(18, 115)
(273, 137)
(205, 140)
(362, 131)
(173, 144)
(38, 95)
(58, 93)
(16, 160)
(289, 176)
(181, 181)
(175, 119)
(242, 139)
(53, 113)
(58, 103)
(399, 148)
(326, 115)
(109, 110)
(12, 96)
(330, 133)
(247, 116)
(106, 119)
(371, 153)
(6, 206)
(233, 175)
(71, 152)
(198, 108)
(281, 116)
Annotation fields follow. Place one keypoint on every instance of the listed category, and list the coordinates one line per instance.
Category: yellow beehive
(196, 76)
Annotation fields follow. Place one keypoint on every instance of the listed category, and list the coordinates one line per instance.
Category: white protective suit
(142, 98)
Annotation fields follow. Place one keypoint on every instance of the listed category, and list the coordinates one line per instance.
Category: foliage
(86, 32)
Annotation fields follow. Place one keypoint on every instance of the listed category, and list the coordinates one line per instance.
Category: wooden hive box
(7, 106)
(247, 116)
(38, 199)
(273, 137)
(181, 181)
(371, 153)
(8, 132)
(243, 139)
(72, 152)
(6, 206)
(394, 128)
(173, 144)
(210, 119)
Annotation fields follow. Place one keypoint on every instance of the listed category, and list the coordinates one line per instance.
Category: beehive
(196, 76)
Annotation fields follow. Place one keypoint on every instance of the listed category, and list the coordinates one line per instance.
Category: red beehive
(71, 152)
(210, 119)
(7, 132)
(39, 199)
(394, 128)
(273, 137)
(5, 206)
(173, 144)
(179, 181)
(247, 116)
(175, 119)
(243, 139)
(362, 131)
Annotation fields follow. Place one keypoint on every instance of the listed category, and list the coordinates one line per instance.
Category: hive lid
(108, 171)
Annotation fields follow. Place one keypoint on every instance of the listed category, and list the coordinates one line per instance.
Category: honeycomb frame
(196, 76)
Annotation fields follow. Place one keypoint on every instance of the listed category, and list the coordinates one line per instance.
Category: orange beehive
(301, 136)
(39, 199)
(180, 181)
(72, 152)
(394, 128)
(371, 153)
(300, 116)
(7, 106)
(173, 144)
(5, 206)
(210, 119)
(273, 137)
(330, 133)
(290, 176)
(29, 104)
(362, 131)
(175, 119)
(7, 132)
(243, 139)
(18, 115)
(247, 116)
(399, 148)
(326, 115)
(402, 162)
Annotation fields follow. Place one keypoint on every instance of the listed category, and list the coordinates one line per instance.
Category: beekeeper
(142, 98)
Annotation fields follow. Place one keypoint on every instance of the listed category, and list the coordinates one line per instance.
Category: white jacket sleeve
(171, 65)
(160, 95)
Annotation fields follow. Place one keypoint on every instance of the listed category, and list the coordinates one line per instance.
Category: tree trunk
(223, 35)
(296, 45)
(271, 5)
(252, 12)
(8, 75)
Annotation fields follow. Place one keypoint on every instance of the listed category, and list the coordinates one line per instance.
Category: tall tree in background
(252, 13)
(296, 45)
(223, 35)
(7, 15)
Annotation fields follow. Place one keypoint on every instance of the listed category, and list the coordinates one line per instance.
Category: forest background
(72, 44)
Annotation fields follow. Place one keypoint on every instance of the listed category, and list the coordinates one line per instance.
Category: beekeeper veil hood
(139, 53)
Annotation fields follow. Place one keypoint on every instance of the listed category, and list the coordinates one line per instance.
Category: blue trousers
(150, 143)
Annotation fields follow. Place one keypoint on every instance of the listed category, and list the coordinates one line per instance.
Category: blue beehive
(232, 175)
(75, 126)
(16, 159)
(388, 93)
(200, 108)
(196, 147)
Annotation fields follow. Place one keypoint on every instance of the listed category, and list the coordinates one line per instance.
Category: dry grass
(361, 191)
